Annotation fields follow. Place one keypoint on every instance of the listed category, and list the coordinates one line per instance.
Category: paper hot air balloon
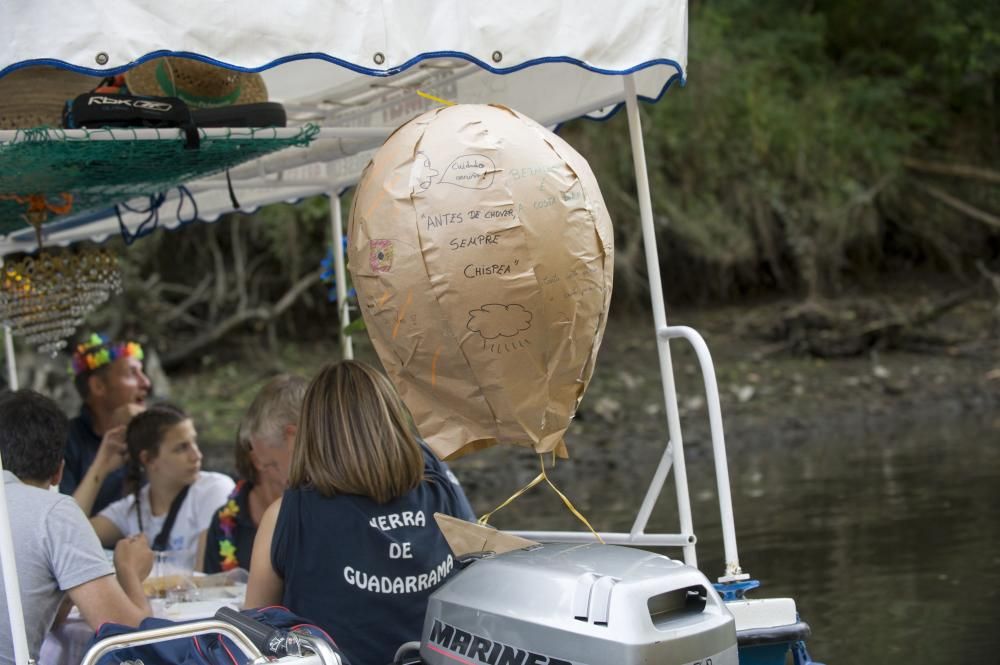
(482, 255)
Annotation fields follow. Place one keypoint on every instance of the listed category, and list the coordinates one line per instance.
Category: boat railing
(310, 650)
(637, 534)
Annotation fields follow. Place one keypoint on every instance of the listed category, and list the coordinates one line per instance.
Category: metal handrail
(141, 637)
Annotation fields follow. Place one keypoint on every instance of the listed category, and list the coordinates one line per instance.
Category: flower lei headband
(97, 352)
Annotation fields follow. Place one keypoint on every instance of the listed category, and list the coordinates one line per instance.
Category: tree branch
(961, 206)
(190, 301)
(239, 261)
(215, 304)
(241, 316)
(957, 170)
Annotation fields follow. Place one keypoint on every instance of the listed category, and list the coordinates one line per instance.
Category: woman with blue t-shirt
(353, 545)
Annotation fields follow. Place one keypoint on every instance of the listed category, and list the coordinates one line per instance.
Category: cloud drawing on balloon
(496, 320)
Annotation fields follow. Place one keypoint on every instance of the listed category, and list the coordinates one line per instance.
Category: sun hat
(36, 96)
(198, 84)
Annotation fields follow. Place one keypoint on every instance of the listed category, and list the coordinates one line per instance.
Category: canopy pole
(12, 590)
(9, 353)
(10, 585)
(340, 273)
(676, 442)
(8, 339)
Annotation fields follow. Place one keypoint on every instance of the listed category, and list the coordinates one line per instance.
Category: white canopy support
(11, 586)
(340, 274)
(660, 321)
(8, 341)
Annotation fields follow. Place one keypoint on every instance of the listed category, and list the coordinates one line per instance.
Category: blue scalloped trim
(368, 71)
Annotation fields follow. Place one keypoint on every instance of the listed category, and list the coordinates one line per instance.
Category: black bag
(98, 109)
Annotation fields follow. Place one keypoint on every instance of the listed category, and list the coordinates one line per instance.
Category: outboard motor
(593, 604)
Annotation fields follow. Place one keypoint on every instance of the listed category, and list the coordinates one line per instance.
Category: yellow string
(484, 520)
(435, 99)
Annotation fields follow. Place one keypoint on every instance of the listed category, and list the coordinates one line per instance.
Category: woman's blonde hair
(355, 437)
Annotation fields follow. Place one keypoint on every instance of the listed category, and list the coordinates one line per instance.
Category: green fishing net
(50, 174)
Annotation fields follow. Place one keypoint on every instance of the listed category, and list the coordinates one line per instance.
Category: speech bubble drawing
(472, 171)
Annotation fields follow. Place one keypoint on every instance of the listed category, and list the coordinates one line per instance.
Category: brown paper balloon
(482, 254)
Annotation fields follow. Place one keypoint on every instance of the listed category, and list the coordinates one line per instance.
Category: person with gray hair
(264, 444)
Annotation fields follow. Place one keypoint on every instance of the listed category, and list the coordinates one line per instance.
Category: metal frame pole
(12, 590)
(340, 272)
(8, 339)
(660, 321)
(9, 353)
(10, 584)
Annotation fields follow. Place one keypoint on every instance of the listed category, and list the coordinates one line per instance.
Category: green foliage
(284, 225)
(183, 285)
(767, 169)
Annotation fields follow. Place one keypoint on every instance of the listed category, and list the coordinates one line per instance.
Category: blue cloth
(207, 649)
(363, 571)
(81, 449)
(435, 465)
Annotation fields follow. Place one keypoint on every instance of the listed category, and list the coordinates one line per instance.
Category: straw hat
(36, 96)
(198, 84)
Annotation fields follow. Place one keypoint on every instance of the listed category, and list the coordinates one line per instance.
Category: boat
(348, 74)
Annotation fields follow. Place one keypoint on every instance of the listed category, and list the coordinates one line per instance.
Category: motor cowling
(562, 604)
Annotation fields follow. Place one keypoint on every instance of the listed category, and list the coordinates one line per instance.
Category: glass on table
(172, 578)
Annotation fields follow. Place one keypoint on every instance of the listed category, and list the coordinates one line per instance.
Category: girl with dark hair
(176, 504)
(352, 544)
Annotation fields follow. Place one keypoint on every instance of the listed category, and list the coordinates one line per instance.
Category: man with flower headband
(109, 378)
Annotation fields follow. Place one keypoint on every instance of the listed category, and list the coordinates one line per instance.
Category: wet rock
(744, 393)
(694, 403)
(630, 381)
(608, 409)
(894, 388)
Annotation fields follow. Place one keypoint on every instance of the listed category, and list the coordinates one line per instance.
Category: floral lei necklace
(227, 522)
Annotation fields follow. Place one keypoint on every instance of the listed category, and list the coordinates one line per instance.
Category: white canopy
(355, 64)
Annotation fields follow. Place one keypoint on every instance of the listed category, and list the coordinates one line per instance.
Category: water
(888, 542)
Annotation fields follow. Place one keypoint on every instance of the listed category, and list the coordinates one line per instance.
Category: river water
(888, 542)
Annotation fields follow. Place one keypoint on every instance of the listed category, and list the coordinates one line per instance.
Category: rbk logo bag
(98, 109)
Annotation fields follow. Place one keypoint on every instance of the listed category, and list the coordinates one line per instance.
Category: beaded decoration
(97, 352)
